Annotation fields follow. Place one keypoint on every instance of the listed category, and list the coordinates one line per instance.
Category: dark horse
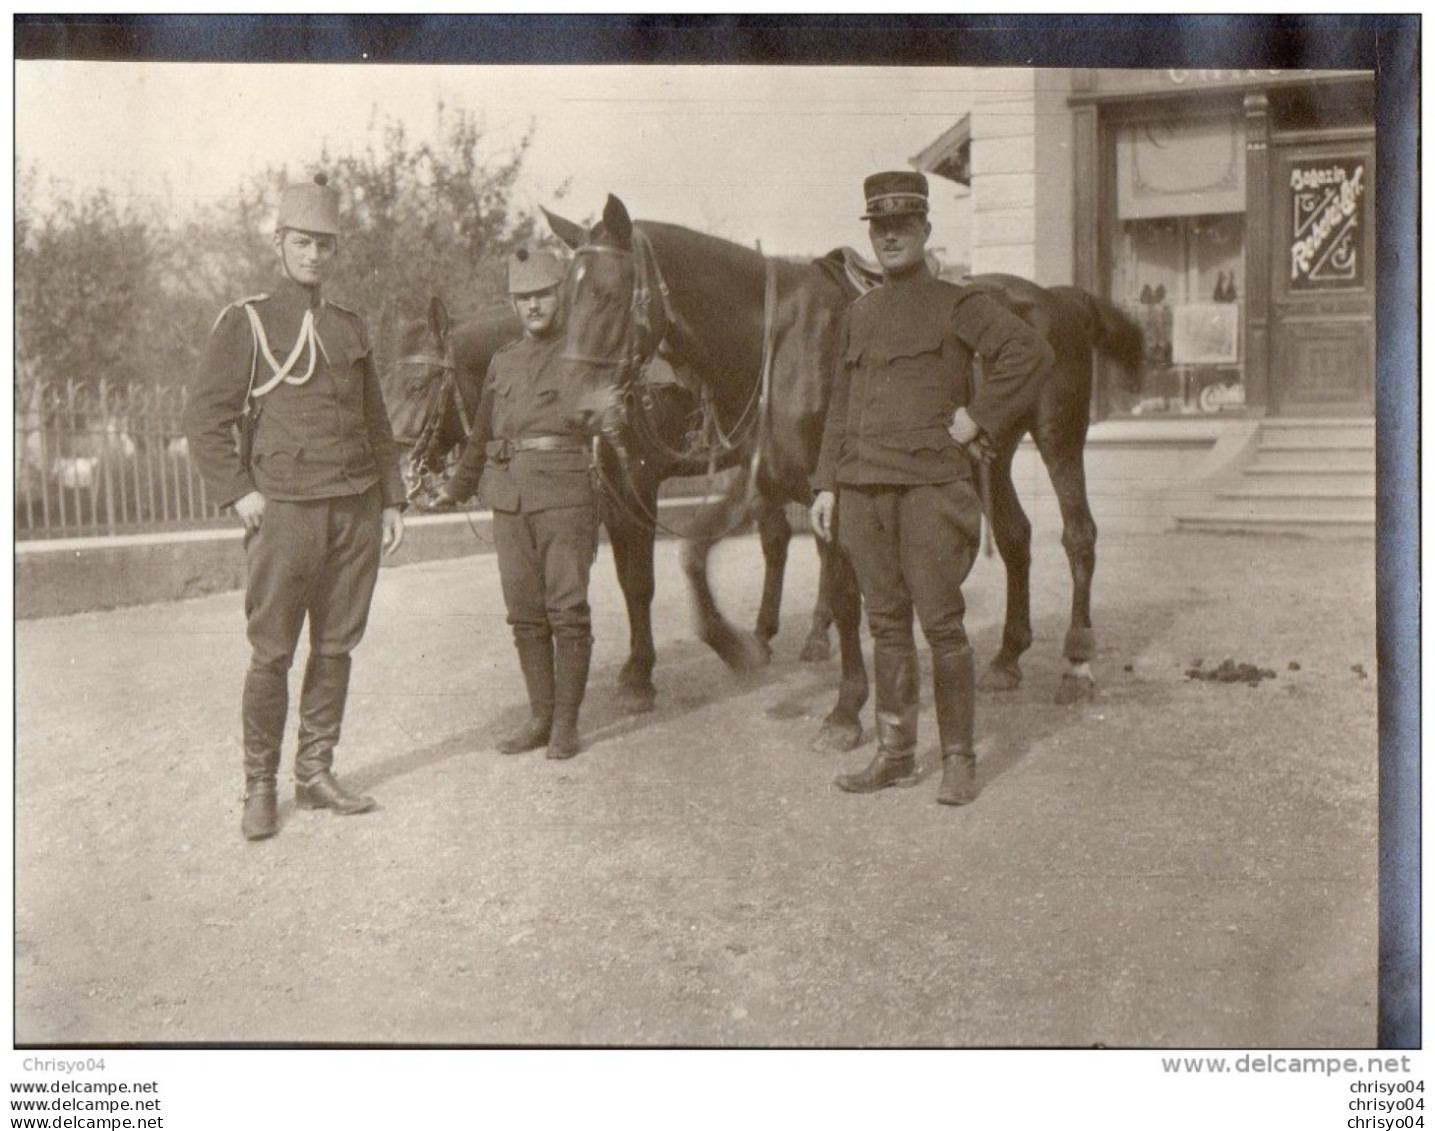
(761, 332)
(433, 393)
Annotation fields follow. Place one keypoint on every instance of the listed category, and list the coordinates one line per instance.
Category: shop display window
(1178, 267)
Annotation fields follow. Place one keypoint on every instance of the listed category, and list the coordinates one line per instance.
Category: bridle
(421, 458)
(642, 332)
(648, 323)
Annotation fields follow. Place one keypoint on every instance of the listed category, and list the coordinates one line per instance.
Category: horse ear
(438, 318)
(570, 233)
(617, 221)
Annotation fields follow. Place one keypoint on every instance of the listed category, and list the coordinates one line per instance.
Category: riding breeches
(911, 548)
(544, 558)
(317, 559)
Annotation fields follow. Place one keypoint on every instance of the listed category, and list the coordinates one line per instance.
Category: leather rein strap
(638, 350)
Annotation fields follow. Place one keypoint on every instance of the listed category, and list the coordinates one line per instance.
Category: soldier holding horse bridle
(545, 524)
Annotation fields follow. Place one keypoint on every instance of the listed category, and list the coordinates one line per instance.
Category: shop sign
(1327, 225)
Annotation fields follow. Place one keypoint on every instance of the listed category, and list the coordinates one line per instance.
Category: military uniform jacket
(326, 438)
(905, 366)
(528, 393)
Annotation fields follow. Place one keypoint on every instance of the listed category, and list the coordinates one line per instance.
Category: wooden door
(1323, 279)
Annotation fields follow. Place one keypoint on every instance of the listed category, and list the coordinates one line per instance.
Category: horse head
(421, 359)
(421, 395)
(616, 313)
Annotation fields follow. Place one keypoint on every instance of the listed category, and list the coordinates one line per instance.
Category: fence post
(106, 464)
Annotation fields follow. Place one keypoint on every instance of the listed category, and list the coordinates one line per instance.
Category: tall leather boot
(954, 687)
(896, 759)
(262, 713)
(535, 657)
(571, 661)
(321, 715)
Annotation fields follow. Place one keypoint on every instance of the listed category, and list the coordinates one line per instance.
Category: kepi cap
(532, 268)
(899, 193)
(309, 208)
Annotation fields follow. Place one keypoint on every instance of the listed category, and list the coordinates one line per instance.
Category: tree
(83, 276)
(103, 291)
(418, 219)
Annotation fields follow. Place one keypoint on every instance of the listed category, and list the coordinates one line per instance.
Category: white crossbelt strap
(307, 336)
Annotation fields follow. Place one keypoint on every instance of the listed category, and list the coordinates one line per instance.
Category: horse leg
(842, 728)
(739, 650)
(1011, 530)
(632, 543)
(775, 532)
(1078, 539)
(816, 649)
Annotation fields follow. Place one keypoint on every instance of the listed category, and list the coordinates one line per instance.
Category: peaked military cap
(309, 208)
(532, 268)
(899, 193)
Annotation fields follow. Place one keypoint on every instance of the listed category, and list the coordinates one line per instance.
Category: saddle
(843, 264)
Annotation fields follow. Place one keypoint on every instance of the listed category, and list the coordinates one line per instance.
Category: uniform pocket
(914, 345)
(279, 463)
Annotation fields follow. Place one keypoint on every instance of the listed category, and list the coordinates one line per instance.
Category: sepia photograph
(614, 535)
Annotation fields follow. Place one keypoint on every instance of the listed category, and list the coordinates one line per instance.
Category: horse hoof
(751, 654)
(1000, 677)
(816, 650)
(837, 737)
(636, 701)
(1075, 689)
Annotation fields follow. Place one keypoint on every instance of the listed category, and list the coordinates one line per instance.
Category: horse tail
(1115, 334)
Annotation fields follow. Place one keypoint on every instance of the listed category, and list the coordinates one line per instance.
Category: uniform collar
(913, 278)
(291, 296)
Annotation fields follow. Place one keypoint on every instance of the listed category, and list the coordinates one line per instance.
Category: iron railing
(102, 459)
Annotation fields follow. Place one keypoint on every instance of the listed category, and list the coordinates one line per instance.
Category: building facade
(1229, 212)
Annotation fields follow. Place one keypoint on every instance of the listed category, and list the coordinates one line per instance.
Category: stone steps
(1310, 478)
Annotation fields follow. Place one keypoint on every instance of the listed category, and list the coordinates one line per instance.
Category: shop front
(1231, 213)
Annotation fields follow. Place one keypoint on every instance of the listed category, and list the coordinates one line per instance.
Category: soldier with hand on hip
(894, 478)
(536, 464)
(314, 477)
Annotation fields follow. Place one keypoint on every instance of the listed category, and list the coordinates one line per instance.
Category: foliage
(110, 291)
(82, 273)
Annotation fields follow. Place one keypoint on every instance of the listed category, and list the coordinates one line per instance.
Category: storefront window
(1179, 264)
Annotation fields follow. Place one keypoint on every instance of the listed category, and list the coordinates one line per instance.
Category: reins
(637, 351)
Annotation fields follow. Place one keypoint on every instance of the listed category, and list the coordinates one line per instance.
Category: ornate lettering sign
(1328, 225)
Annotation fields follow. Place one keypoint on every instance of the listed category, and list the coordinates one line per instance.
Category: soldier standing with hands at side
(894, 479)
(538, 480)
(315, 479)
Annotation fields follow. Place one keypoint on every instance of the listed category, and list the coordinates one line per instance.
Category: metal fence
(98, 459)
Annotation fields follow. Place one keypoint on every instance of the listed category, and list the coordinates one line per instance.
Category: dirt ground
(1179, 863)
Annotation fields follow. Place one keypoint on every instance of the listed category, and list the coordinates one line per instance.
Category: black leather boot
(321, 717)
(574, 654)
(262, 714)
(954, 688)
(535, 656)
(896, 759)
(323, 792)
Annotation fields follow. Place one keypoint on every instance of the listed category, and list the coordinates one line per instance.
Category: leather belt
(505, 449)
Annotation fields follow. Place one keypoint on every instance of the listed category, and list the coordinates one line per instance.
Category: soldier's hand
(393, 530)
(967, 432)
(440, 501)
(250, 510)
(823, 508)
(982, 449)
(963, 428)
